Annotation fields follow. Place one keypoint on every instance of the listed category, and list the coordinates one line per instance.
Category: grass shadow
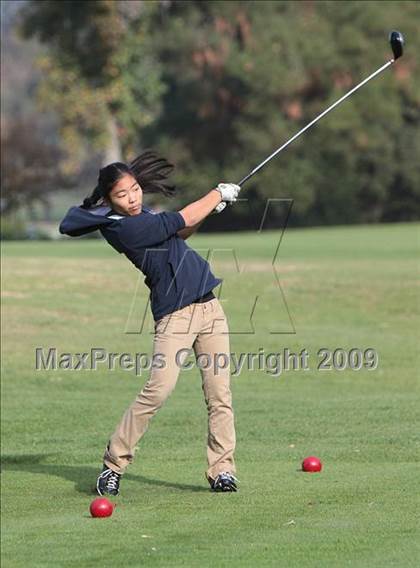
(83, 477)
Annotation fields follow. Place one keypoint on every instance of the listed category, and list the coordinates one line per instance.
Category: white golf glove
(228, 191)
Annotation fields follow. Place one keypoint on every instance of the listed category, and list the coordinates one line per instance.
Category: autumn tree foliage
(217, 86)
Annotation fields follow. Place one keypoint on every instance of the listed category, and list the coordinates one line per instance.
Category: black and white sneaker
(108, 482)
(224, 482)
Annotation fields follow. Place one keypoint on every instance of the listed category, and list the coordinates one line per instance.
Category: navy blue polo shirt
(175, 273)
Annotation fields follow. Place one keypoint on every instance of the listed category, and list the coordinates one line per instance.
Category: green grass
(345, 287)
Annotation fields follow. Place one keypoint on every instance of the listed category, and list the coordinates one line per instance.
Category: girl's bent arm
(200, 209)
(188, 231)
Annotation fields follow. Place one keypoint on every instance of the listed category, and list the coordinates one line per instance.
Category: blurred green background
(214, 87)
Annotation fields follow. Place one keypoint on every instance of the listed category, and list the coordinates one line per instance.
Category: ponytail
(152, 173)
(90, 201)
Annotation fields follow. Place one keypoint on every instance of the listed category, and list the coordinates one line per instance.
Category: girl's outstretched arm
(200, 209)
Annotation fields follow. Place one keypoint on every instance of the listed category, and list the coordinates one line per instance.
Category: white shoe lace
(227, 475)
(112, 481)
(111, 478)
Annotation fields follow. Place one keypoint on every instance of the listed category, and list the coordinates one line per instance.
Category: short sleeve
(147, 229)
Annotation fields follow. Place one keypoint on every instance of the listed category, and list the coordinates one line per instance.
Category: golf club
(396, 40)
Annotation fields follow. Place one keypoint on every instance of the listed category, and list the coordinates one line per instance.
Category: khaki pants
(204, 328)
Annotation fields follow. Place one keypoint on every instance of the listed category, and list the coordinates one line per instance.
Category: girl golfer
(186, 313)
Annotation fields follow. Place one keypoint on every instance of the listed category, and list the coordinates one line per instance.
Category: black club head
(396, 40)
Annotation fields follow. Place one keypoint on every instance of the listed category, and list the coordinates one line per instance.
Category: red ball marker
(311, 464)
(101, 507)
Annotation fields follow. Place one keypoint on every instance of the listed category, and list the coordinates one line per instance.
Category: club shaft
(271, 156)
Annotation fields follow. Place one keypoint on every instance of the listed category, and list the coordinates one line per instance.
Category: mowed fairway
(349, 287)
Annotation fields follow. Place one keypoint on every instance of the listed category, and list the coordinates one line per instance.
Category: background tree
(216, 86)
(29, 166)
(99, 76)
(244, 76)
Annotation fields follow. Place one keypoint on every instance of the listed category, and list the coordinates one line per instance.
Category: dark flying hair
(149, 170)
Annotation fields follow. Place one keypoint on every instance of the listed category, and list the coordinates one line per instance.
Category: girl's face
(126, 196)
